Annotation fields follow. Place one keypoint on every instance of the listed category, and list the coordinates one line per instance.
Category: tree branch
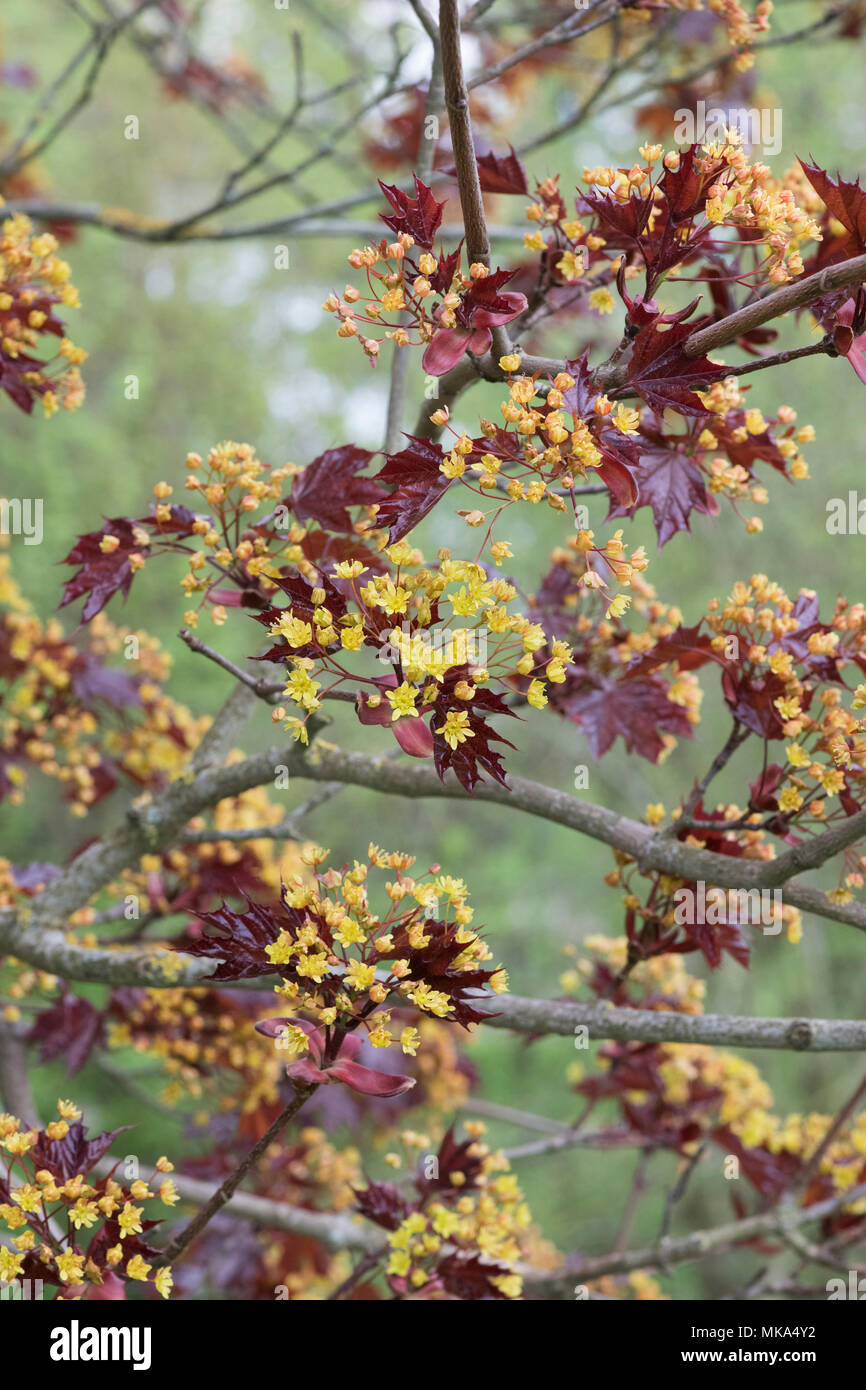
(696, 1246)
(158, 822)
(457, 103)
(15, 1092)
(334, 1229)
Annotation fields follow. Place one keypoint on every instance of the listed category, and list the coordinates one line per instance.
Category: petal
(445, 350)
(351, 1045)
(369, 1082)
(273, 1027)
(856, 356)
(378, 714)
(229, 598)
(619, 479)
(306, 1070)
(480, 340)
(414, 737)
(491, 318)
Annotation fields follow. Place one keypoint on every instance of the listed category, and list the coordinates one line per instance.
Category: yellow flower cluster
(33, 281)
(334, 950)
(743, 195)
(46, 725)
(491, 1218)
(41, 1206)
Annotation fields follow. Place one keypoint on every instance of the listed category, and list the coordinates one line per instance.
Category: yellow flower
(84, 1213)
(348, 569)
(163, 1281)
(453, 466)
(571, 266)
(455, 730)
(431, 1000)
(602, 301)
(409, 1041)
(28, 1197)
(70, 1267)
(360, 976)
(790, 799)
(618, 605)
(402, 701)
(625, 420)
(10, 1265)
(129, 1220)
(137, 1269)
(296, 632)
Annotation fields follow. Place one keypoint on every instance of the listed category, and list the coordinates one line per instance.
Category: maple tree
(286, 984)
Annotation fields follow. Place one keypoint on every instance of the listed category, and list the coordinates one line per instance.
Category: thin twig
(223, 1193)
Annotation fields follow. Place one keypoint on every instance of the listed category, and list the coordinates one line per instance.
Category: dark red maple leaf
(418, 486)
(714, 938)
(238, 939)
(419, 216)
(443, 275)
(687, 646)
(500, 173)
(71, 1027)
(105, 573)
(684, 187)
(325, 551)
(474, 754)
(846, 202)
(102, 574)
(670, 483)
(769, 1172)
(383, 1204)
(457, 1167)
(621, 223)
(91, 681)
(433, 965)
(481, 308)
(752, 700)
(300, 595)
(74, 1153)
(638, 711)
(663, 375)
(329, 485)
(483, 304)
(468, 1276)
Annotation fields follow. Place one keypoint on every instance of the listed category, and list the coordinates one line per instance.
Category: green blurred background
(227, 347)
